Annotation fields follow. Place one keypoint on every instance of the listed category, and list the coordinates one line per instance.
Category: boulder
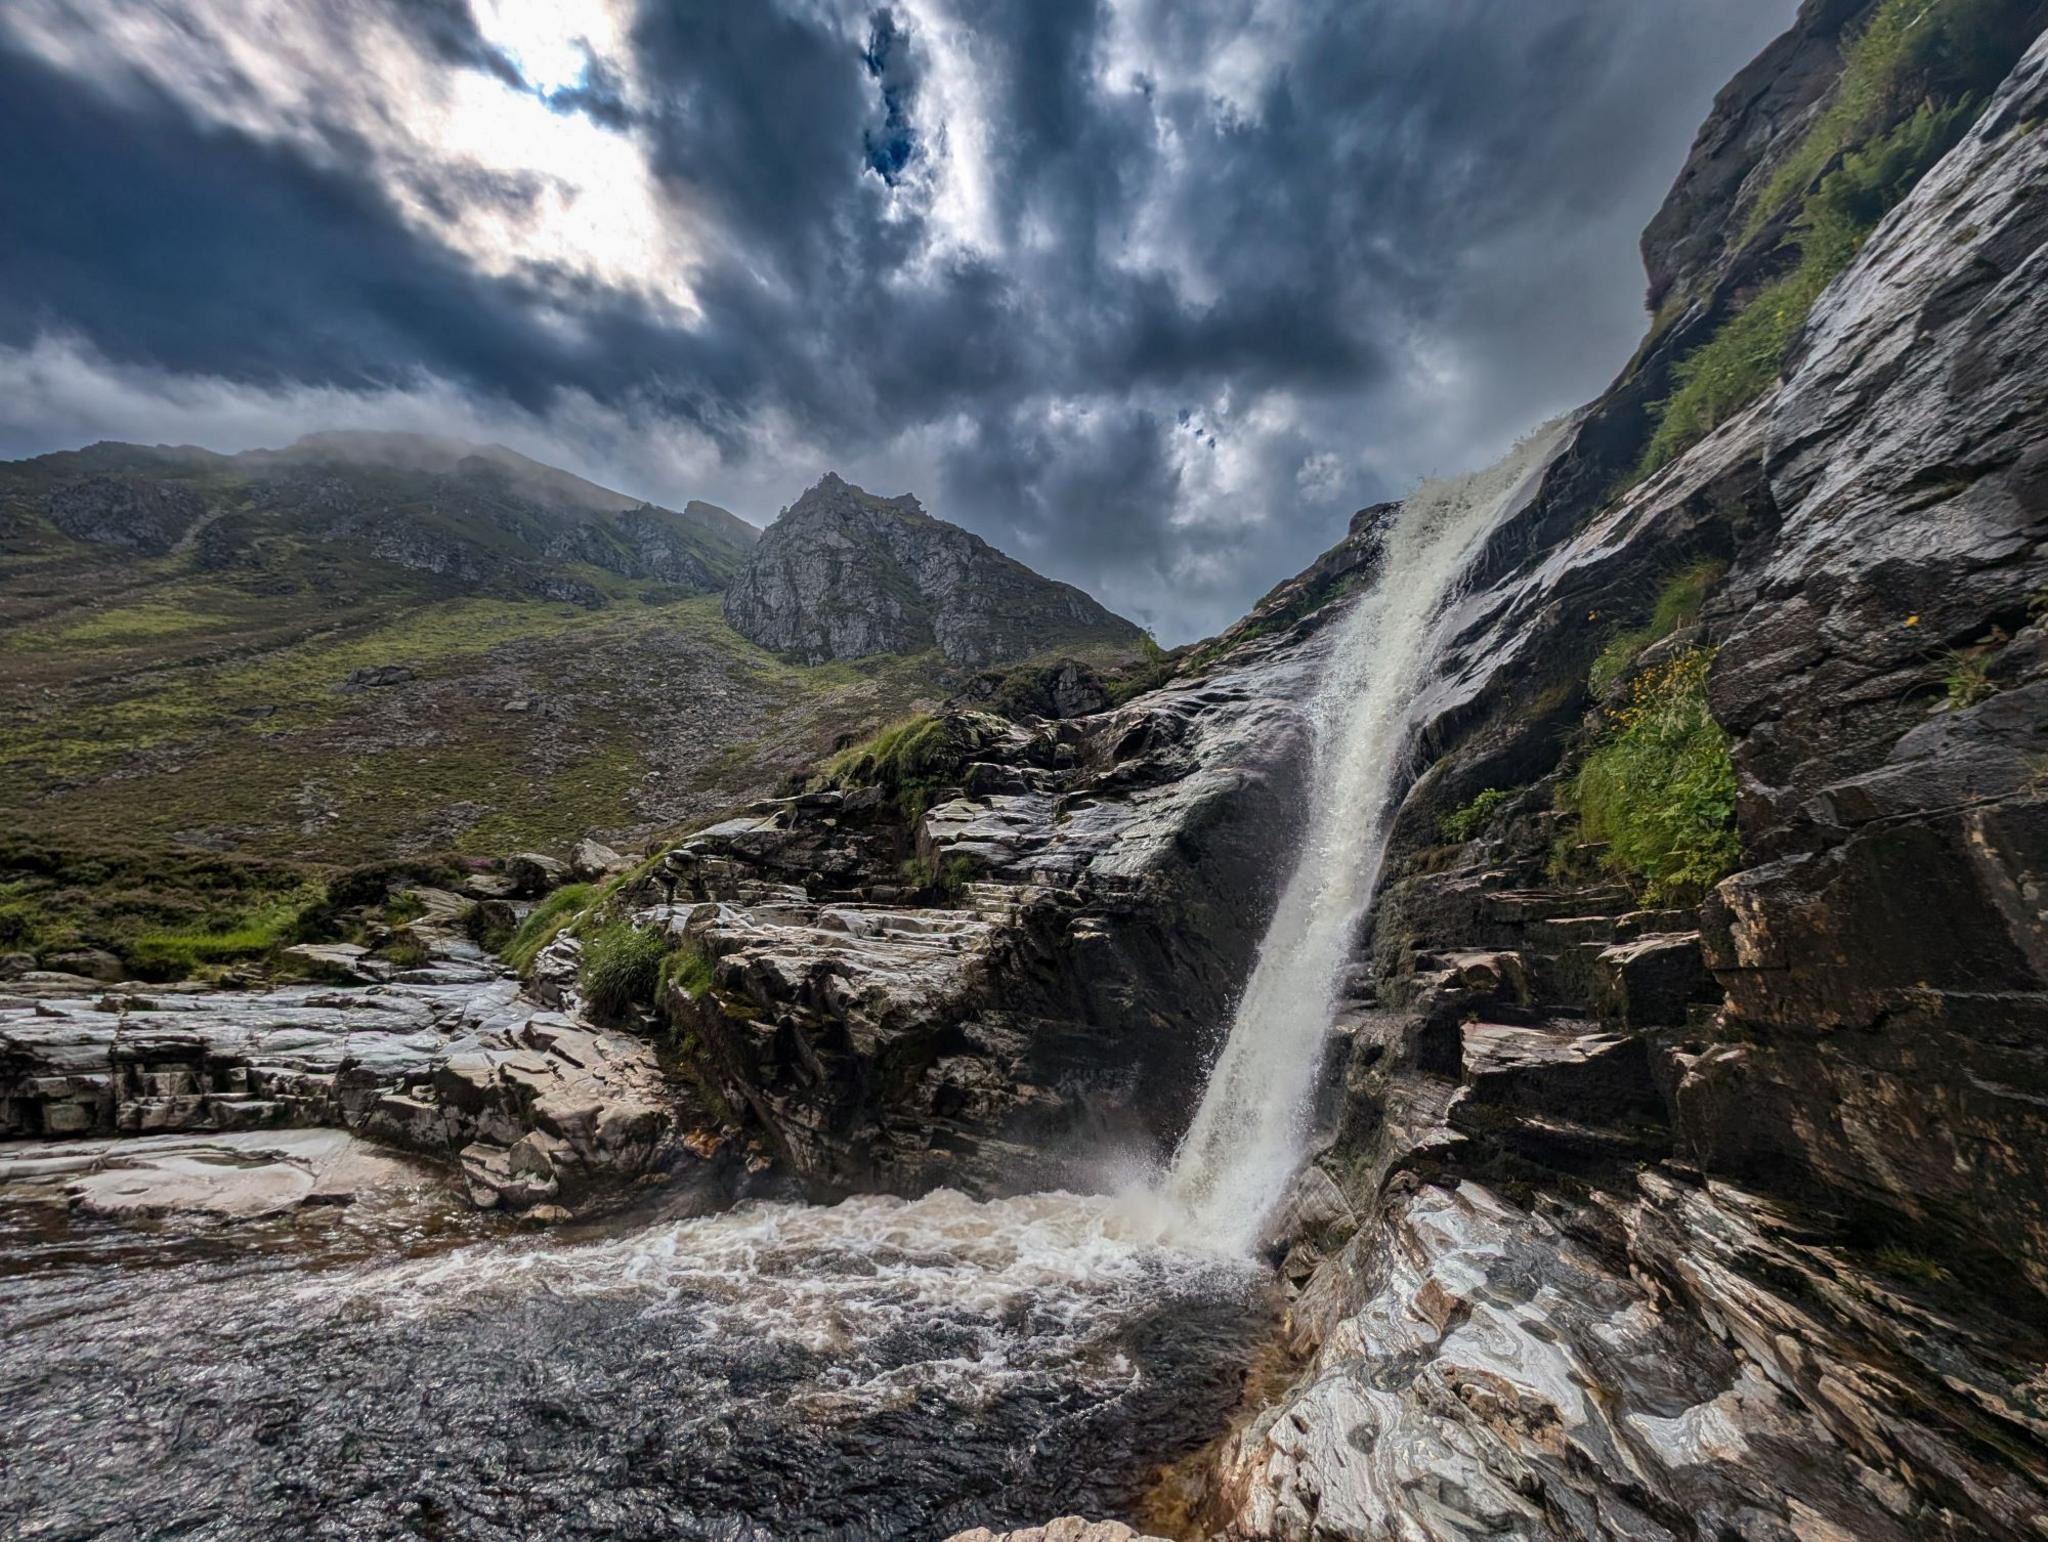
(374, 677)
(534, 873)
(590, 859)
(490, 886)
(344, 963)
(87, 963)
(219, 1176)
(1649, 981)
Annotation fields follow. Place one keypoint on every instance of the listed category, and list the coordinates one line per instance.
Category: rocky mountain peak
(845, 573)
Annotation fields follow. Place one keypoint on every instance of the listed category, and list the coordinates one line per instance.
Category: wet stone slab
(536, 1107)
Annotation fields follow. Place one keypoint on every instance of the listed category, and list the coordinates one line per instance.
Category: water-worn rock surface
(536, 1107)
(1722, 1220)
(1068, 1528)
(226, 1176)
(1046, 1009)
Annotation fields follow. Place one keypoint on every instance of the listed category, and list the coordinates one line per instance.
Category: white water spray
(1247, 1137)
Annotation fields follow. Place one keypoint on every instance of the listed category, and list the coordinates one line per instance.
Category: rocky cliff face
(1724, 1219)
(1009, 977)
(843, 574)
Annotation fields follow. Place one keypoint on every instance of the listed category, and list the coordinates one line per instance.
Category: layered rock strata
(535, 1108)
(1722, 1220)
(1018, 985)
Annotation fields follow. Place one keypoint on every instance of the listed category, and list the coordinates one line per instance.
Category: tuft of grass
(1951, 47)
(1684, 596)
(1735, 366)
(56, 898)
(913, 759)
(1966, 682)
(1461, 824)
(1966, 678)
(1679, 602)
(401, 908)
(689, 969)
(954, 876)
(542, 924)
(405, 950)
(621, 967)
(487, 927)
(1659, 789)
(23, 924)
(1907, 1264)
(255, 934)
(946, 881)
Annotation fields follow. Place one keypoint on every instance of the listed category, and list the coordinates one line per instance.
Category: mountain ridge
(479, 516)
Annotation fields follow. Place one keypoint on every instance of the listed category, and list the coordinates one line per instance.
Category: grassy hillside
(366, 648)
(226, 683)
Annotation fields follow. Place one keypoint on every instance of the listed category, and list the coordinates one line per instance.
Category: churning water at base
(878, 1368)
(1247, 1137)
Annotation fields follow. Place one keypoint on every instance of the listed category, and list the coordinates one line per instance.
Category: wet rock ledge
(540, 1113)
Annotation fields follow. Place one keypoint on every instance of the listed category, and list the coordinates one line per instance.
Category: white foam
(1023, 1287)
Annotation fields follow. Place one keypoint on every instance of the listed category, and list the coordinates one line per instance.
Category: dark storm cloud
(208, 252)
(1152, 295)
(600, 97)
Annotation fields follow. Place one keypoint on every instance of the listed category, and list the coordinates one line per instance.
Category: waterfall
(1247, 1137)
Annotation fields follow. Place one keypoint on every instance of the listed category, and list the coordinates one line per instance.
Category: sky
(1150, 293)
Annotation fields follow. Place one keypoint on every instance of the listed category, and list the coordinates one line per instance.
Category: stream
(878, 1368)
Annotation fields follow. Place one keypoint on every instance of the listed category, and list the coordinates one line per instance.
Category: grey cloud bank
(1150, 295)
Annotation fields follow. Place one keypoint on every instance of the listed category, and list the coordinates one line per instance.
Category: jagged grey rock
(1069, 1528)
(239, 1175)
(138, 512)
(1057, 1000)
(843, 574)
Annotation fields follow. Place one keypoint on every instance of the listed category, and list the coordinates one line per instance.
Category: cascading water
(874, 1369)
(1247, 1137)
